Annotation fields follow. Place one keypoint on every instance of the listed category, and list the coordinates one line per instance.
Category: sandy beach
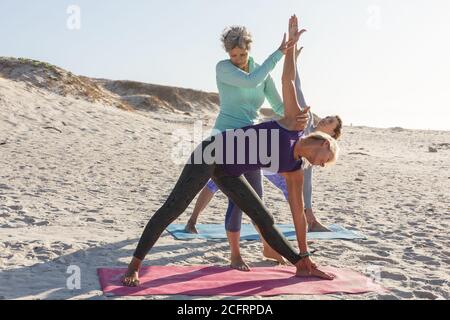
(81, 172)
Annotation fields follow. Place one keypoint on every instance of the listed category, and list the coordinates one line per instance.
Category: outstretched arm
(303, 120)
(294, 183)
(228, 73)
(291, 105)
(273, 96)
(305, 266)
(298, 85)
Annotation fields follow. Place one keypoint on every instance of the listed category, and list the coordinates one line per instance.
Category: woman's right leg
(204, 198)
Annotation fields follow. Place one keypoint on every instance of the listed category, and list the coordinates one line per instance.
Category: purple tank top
(265, 145)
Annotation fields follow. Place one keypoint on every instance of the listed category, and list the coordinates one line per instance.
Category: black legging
(192, 179)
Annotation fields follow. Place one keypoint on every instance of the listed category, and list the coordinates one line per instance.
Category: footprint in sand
(425, 295)
(438, 282)
(393, 276)
(387, 297)
(4, 214)
(369, 258)
(403, 294)
(4, 187)
(26, 220)
(42, 251)
(425, 259)
(16, 207)
(61, 245)
(371, 242)
(382, 252)
(420, 234)
(42, 223)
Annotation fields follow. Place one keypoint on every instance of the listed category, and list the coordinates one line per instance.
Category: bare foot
(315, 272)
(271, 254)
(131, 279)
(190, 227)
(239, 264)
(317, 226)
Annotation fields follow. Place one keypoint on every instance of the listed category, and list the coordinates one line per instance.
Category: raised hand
(285, 46)
(293, 26)
(302, 119)
(294, 33)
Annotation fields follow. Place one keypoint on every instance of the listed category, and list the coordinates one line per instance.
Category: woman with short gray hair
(236, 36)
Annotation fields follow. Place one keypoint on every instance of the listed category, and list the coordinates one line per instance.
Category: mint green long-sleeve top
(242, 94)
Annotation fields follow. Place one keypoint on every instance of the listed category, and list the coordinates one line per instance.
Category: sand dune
(84, 163)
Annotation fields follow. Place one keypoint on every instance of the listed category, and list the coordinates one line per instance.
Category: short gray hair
(236, 36)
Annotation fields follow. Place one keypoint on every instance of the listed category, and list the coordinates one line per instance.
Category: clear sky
(380, 63)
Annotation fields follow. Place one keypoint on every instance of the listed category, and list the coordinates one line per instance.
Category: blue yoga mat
(248, 232)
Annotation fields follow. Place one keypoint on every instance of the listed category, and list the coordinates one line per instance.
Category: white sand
(82, 196)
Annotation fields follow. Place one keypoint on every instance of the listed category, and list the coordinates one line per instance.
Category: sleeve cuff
(280, 110)
(277, 55)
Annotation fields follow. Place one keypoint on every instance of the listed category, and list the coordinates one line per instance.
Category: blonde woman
(243, 86)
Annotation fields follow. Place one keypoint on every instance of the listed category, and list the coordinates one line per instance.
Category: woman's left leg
(193, 178)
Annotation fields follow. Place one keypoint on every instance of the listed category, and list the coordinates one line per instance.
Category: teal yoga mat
(248, 232)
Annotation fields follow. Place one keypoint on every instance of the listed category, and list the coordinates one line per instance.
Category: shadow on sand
(48, 279)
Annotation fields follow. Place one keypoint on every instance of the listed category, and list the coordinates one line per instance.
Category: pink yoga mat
(223, 281)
